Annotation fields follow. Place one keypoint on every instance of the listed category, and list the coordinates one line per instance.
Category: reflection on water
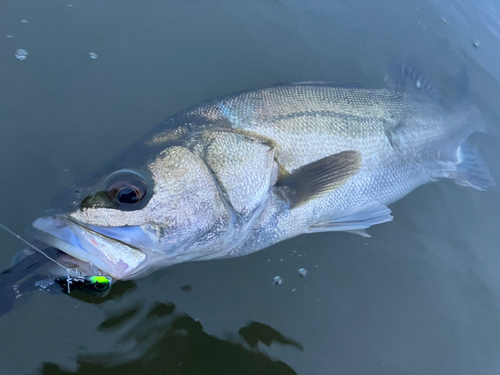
(176, 343)
(117, 291)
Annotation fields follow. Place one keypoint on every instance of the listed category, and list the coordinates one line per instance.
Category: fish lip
(91, 229)
(83, 243)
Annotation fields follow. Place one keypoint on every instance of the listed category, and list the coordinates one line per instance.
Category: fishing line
(68, 270)
(70, 280)
(35, 248)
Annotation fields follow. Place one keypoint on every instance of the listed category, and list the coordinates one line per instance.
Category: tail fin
(470, 169)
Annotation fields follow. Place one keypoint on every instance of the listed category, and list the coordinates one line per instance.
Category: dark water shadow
(117, 291)
(163, 341)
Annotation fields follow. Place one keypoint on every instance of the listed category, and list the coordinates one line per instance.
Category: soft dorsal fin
(405, 76)
(320, 177)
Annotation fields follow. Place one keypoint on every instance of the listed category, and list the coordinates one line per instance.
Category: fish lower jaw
(89, 250)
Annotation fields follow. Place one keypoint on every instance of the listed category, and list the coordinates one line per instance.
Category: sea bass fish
(236, 175)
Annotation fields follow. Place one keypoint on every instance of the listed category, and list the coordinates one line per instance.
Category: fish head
(127, 222)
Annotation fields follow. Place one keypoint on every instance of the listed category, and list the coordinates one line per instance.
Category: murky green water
(422, 296)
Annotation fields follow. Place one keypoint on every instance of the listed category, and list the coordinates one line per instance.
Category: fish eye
(129, 195)
(127, 189)
(126, 193)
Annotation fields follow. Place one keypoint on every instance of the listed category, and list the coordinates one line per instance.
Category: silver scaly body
(405, 141)
(237, 175)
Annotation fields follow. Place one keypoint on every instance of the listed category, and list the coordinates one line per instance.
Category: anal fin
(355, 220)
(359, 232)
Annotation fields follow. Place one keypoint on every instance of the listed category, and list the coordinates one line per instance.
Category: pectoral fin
(319, 178)
(355, 220)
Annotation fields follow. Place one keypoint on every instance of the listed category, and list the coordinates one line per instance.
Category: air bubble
(21, 54)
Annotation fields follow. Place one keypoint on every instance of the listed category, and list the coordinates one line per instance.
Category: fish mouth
(110, 250)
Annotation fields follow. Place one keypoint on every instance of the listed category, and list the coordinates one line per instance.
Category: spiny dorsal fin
(320, 177)
(348, 85)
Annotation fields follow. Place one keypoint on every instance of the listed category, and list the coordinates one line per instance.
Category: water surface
(422, 296)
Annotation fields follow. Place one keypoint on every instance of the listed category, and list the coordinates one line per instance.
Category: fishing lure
(94, 285)
(22, 278)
